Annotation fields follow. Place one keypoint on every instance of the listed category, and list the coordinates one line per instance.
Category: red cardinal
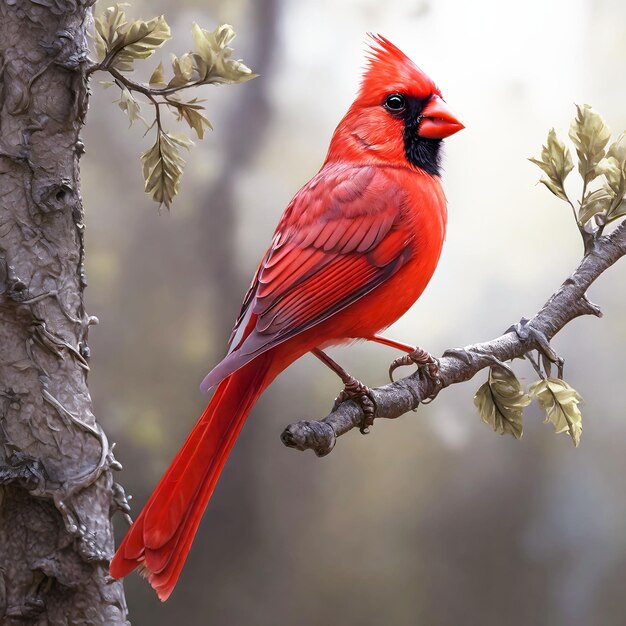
(353, 251)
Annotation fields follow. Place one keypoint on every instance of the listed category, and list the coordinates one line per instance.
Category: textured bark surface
(57, 493)
(396, 399)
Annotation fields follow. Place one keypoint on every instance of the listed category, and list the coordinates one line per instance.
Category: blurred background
(431, 519)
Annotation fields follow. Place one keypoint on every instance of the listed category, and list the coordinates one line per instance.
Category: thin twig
(151, 92)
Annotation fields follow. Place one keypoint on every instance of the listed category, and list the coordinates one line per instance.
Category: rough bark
(396, 399)
(57, 492)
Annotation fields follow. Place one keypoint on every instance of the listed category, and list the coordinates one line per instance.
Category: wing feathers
(341, 236)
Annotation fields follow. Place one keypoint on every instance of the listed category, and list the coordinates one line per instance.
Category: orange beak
(437, 120)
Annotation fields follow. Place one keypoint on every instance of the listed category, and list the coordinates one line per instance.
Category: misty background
(432, 519)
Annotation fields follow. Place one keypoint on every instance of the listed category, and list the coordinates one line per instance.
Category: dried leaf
(202, 46)
(594, 202)
(190, 112)
(556, 162)
(123, 41)
(590, 135)
(501, 401)
(560, 402)
(163, 167)
(183, 68)
(213, 56)
(607, 202)
(100, 46)
(556, 188)
(615, 174)
(617, 212)
(157, 78)
(617, 151)
(139, 40)
(612, 172)
(107, 25)
(181, 140)
(128, 104)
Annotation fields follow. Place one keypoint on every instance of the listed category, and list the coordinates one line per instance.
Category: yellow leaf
(109, 22)
(501, 401)
(139, 40)
(128, 104)
(213, 56)
(617, 212)
(590, 135)
(615, 174)
(594, 202)
(190, 112)
(202, 45)
(556, 162)
(157, 77)
(183, 68)
(162, 167)
(107, 25)
(617, 151)
(560, 402)
(100, 46)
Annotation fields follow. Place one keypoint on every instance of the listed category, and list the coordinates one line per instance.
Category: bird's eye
(395, 102)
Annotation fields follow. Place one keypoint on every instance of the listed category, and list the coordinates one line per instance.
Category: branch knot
(317, 436)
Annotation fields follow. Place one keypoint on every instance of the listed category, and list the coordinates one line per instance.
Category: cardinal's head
(398, 117)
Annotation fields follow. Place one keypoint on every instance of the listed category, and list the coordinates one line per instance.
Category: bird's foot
(360, 394)
(548, 355)
(426, 364)
(353, 390)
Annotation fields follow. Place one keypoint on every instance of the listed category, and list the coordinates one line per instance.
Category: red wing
(340, 237)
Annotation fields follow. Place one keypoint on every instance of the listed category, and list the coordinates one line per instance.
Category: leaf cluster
(119, 43)
(602, 170)
(501, 401)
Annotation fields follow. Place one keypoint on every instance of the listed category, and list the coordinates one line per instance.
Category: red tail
(160, 538)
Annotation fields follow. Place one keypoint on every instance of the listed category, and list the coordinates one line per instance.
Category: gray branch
(457, 366)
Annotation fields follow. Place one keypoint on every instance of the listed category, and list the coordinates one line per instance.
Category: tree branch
(146, 90)
(456, 366)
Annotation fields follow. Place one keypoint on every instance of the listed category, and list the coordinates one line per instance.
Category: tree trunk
(57, 493)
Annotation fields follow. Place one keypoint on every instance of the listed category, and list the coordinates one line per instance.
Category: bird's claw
(360, 394)
(525, 331)
(425, 362)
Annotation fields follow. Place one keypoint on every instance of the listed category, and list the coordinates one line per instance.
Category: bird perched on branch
(353, 251)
